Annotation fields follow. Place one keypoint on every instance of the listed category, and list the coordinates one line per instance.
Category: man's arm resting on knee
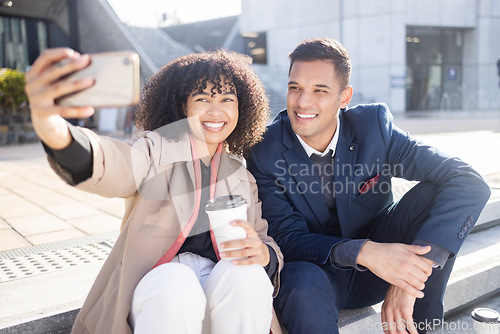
(344, 254)
(398, 264)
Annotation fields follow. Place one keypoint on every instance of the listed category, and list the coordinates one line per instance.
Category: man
(324, 176)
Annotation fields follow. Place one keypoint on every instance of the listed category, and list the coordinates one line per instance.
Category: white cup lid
(225, 202)
(485, 315)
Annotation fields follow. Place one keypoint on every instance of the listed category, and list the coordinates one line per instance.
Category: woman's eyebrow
(231, 92)
(200, 93)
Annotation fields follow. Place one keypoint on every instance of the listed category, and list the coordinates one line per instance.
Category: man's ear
(346, 96)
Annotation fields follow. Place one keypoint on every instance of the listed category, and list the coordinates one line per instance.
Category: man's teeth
(213, 125)
(306, 115)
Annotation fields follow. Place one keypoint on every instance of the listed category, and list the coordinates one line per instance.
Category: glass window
(19, 41)
(2, 42)
(256, 45)
(43, 40)
(434, 68)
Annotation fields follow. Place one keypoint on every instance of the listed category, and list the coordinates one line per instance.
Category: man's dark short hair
(326, 49)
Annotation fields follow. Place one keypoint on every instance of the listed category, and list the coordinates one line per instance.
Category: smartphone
(117, 82)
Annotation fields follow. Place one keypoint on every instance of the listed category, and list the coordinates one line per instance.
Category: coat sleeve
(461, 191)
(118, 167)
(261, 227)
(286, 225)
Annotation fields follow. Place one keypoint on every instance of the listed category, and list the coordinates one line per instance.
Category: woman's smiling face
(213, 115)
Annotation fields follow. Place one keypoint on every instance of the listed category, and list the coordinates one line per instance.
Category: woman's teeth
(213, 125)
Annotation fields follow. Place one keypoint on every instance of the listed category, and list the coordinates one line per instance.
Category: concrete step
(60, 323)
(160, 47)
(474, 276)
(42, 286)
(462, 322)
(47, 302)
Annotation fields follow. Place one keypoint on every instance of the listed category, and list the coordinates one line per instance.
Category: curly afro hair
(166, 93)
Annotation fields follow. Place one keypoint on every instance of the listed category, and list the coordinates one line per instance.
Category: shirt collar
(332, 146)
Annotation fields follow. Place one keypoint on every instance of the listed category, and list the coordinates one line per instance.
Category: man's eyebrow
(316, 85)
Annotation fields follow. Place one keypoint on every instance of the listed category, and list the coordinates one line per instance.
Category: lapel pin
(351, 148)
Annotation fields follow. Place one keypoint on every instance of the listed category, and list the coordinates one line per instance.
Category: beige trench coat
(150, 173)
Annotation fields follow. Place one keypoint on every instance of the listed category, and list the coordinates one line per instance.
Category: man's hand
(397, 312)
(398, 264)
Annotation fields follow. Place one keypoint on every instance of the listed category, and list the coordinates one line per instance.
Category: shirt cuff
(77, 158)
(272, 267)
(438, 254)
(344, 255)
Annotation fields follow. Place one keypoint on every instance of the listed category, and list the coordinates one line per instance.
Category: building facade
(28, 27)
(415, 55)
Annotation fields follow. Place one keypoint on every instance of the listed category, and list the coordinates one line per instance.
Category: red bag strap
(170, 253)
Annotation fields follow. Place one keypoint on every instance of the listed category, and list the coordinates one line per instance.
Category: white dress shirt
(332, 146)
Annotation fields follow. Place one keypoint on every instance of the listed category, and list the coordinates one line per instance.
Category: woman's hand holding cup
(251, 249)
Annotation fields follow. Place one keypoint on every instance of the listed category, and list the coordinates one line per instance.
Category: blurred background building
(413, 54)
(418, 56)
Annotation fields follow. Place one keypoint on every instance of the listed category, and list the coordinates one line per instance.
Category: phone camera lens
(126, 61)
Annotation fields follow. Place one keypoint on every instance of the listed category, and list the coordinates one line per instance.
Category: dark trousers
(311, 296)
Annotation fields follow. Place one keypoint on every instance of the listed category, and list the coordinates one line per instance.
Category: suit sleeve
(261, 227)
(287, 226)
(461, 194)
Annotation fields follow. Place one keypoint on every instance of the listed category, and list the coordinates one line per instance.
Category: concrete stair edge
(60, 323)
(475, 275)
(490, 216)
(367, 320)
(457, 295)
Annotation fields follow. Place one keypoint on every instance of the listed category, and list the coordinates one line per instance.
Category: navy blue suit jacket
(370, 151)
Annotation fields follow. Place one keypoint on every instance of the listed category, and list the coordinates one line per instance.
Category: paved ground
(36, 207)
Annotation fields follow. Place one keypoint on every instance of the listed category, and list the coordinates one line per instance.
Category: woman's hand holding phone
(44, 86)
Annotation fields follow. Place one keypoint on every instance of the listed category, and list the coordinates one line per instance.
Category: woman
(199, 113)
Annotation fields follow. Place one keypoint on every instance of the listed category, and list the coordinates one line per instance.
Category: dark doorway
(434, 68)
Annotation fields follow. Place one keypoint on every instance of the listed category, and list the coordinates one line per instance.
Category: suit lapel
(301, 170)
(345, 163)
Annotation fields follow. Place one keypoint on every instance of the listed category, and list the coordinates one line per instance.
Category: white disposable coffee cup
(486, 321)
(222, 211)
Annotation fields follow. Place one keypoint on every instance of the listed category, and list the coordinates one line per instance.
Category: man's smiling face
(313, 101)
